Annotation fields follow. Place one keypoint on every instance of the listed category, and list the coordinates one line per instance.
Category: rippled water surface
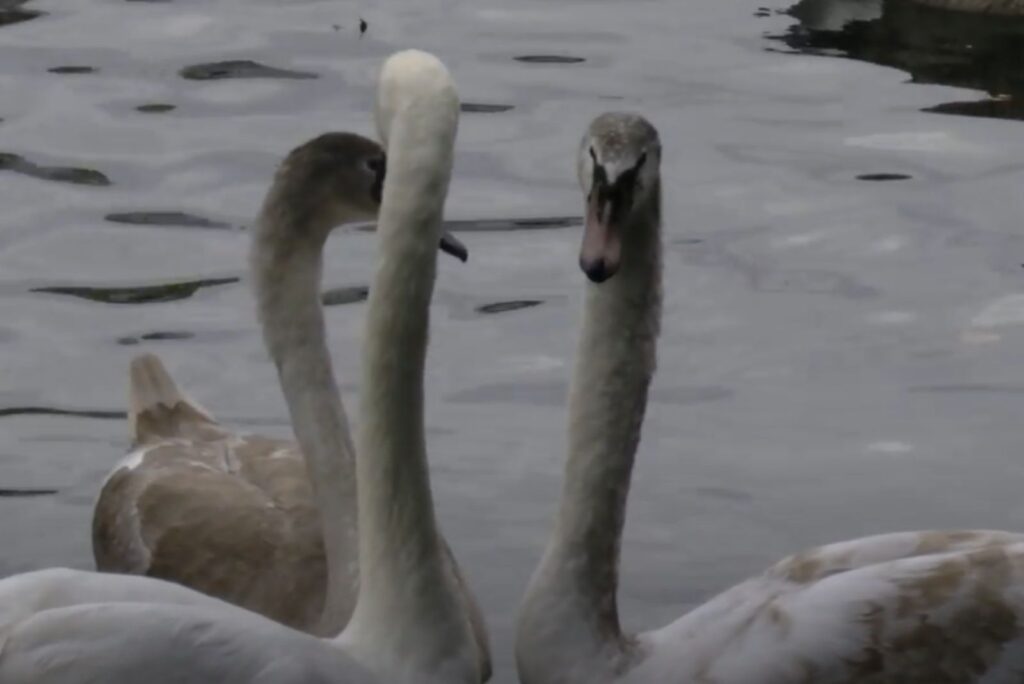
(844, 334)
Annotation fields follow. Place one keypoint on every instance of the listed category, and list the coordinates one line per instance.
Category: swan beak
(453, 245)
(601, 252)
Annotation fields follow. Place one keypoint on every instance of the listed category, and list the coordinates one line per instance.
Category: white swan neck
(409, 611)
(285, 261)
(571, 600)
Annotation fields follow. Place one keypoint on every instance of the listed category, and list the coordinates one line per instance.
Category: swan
(902, 608)
(238, 517)
(409, 623)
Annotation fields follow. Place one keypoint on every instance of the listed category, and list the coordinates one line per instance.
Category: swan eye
(374, 164)
(593, 155)
(640, 162)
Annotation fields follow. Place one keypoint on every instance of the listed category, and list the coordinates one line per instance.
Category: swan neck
(286, 265)
(572, 597)
(409, 609)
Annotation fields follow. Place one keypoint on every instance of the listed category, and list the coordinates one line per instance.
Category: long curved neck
(571, 600)
(285, 261)
(409, 611)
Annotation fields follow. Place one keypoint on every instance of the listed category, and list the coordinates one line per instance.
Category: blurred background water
(844, 283)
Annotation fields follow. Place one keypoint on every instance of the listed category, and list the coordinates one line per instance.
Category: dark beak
(453, 245)
(601, 251)
(608, 208)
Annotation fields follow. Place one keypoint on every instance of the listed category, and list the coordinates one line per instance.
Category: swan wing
(233, 518)
(860, 612)
(130, 643)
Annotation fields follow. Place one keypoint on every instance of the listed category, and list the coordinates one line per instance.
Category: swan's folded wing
(131, 643)
(818, 563)
(21, 596)
(230, 518)
(948, 618)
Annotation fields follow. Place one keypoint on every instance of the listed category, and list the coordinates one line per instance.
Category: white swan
(907, 608)
(237, 516)
(409, 623)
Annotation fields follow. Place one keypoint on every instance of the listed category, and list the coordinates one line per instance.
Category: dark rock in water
(165, 218)
(143, 294)
(60, 174)
(549, 59)
(155, 108)
(363, 25)
(883, 177)
(239, 68)
(72, 70)
(514, 305)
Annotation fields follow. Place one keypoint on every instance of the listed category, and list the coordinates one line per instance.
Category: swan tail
(157, 408)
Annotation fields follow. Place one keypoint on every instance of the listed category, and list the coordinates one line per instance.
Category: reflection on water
(52, 411)
(483, 108)
(73, 69)
(159, 336)
(514, 305)
(143, 294)
(18, 493)
(12, 13)
(981, 52)
(61, 174)
(239, 68)
(164, 218)
(155, 108)
(549, 59)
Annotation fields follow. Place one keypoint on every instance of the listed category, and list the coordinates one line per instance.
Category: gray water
(840, 356)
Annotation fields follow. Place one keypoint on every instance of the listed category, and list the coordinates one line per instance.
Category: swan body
(238, 516)
(64, 627)
(902, 608)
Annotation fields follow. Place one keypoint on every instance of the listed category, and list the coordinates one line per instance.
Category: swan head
(406, 78)
(618, 165)
(336, 176)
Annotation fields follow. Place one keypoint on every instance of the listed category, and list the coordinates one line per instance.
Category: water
(844, 283)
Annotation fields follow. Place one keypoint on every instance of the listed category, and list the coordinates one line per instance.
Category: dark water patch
(54, 411)
(512, 224)
(164, 218)
(72, 70)
(158, 336)
(59, 174)
(340, 296)
(1006, 107)
(13, 13)
(724, 493)
(500, 225)
(969, 388)
(8, 493)
(763, 12)
(484, 108)
(549, 59)
(504, 307)
(881, 177)
(144, 294)
(155, 108)
(240, 68)
(935, 46)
